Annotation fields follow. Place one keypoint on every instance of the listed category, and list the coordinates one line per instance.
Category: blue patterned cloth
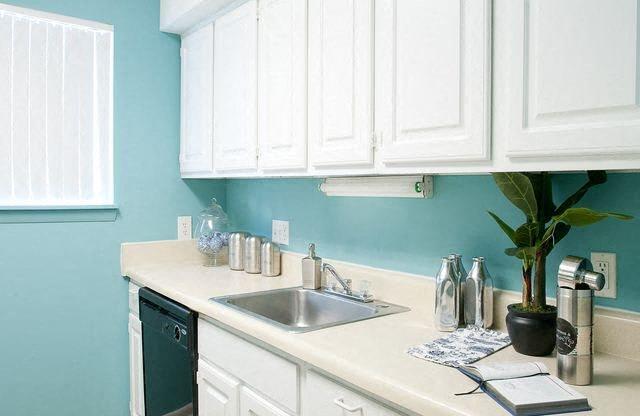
(461, 347)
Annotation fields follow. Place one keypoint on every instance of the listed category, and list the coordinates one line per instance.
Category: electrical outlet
(605, 263)
(184, 228)
(280, 232)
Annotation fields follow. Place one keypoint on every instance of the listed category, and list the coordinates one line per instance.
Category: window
(56, 106)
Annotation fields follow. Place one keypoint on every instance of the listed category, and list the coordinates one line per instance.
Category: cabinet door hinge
(374, 140)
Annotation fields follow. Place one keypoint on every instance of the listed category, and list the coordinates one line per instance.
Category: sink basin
(302, 310)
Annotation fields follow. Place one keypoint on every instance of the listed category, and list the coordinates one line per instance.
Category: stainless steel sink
(302, 310)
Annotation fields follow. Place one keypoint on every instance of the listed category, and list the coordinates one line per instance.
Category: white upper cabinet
(340, 83)
(572, 78)
(282, 86)
(196, 149)
(235, 95)
(432, 83)
(180, 16)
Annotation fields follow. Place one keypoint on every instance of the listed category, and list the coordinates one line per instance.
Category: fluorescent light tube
(380, 186)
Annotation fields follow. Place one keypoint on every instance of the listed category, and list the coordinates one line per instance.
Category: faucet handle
(364, 287)
(349, 283)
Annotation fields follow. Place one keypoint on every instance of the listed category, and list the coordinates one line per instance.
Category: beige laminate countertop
(372, 354)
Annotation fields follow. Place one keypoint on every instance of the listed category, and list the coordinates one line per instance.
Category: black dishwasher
(169, 350)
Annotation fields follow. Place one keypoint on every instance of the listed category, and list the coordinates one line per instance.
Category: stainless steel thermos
(447, 296)
(574, 331)
(478, 296)
(462, 277)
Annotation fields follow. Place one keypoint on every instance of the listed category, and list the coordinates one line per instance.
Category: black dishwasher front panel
(169, 348)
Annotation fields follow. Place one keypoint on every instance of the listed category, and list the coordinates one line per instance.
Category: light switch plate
(605, 263)
(184, 228)
(280, 232)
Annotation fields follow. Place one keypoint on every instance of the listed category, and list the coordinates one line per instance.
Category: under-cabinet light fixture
(380, 186)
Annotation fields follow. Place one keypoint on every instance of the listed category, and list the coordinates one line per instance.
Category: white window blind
(56, 105)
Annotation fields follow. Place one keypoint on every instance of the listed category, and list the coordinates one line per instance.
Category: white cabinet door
(340, 82)
(572, 77)
(196, 135)
(218, 393)
(252, 404)
(282, 84)
(235, 95)
(323, 397)
(433, 80)
(136, 374)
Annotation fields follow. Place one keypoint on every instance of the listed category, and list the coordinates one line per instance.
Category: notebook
(526, 389)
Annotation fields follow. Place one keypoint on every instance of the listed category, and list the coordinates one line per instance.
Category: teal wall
(63, 306)
(411, 235)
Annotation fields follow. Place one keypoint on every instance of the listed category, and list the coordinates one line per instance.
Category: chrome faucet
(346, 284)
(363, 295)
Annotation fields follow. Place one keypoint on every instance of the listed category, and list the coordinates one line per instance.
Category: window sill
(88, 213)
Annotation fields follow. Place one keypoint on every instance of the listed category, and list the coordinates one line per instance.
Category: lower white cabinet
(238, 377)
(324, 397)
(136, 377)
(218, 392)
(251, 404)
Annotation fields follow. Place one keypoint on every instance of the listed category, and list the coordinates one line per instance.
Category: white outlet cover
(280, 232)
(184, 228)
(608, 260)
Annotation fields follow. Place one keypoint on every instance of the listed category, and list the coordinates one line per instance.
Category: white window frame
(106, 198)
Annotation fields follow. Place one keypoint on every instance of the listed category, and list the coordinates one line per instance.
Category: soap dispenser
(312, 270)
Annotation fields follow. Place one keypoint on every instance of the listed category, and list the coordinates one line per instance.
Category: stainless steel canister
(270, 259)
(236, 250)
(252, 247)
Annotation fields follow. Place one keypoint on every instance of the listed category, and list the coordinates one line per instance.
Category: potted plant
(532, 323)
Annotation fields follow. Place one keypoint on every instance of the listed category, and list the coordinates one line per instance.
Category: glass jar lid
(213, 218)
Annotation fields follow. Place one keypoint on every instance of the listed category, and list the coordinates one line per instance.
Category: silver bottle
(462, 277)
(574, 331)
(447, 296)
(236, 250)
(312, 270)
(270, 259)
(478, 296)
(252, 246)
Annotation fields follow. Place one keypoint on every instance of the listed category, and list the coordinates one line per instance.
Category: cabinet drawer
(324, 397)
(134, 307)
(266, 372)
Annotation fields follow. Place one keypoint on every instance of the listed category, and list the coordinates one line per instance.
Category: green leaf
(504, 226)
(580, 217)
(526, 234)
(521, 252)
(559, 231)
(595, 177)
(518, 189)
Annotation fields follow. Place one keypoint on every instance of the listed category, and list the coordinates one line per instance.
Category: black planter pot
(532, 333)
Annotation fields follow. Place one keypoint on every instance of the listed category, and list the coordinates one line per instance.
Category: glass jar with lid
(212, 235)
